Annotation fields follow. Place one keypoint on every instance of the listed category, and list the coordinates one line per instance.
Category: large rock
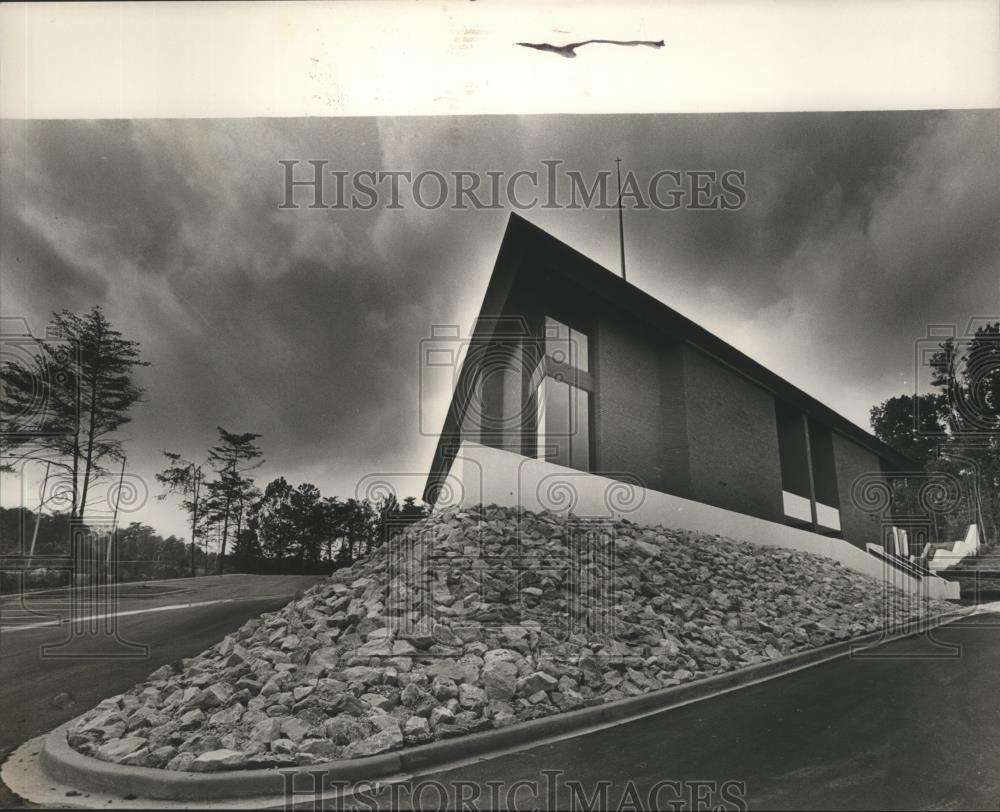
(118, 749)
(363, 674)
(218, 693)
(217, 760)
(227, 717)
(325, 659)
(515, 635)
(403, 648)
(379, 701)
(111, 723)
(500, 679)
(348, 703)
(375, 648)
(294, 729)
(324, 748)
(504, 655)
(161, 673)
(275, 684)
(381, 742)
(416, 726)
(533, 683)
(266, 731)
(144, 757)
(647, 548)
(181, 762)
(444, 689)
(445, 667)
(441, 716)
(471, 697)
(284, 746)
(443, 634)
(346, 729)
(412, 695)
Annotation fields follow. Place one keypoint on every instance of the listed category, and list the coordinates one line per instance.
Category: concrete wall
(851, 460)
(945, 557)
(484, 475)
(733, 439)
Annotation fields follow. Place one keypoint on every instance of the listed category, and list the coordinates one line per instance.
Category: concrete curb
(63, 764)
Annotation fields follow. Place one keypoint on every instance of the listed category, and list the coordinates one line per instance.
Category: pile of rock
(478, 618)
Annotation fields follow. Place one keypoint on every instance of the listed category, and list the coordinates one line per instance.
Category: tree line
(953, 430)
(143, 553)
(66, 398)
(283, 526)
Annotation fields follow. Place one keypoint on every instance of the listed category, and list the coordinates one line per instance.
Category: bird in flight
(569, 50)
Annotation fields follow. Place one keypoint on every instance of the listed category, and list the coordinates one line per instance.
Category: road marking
(169, 608)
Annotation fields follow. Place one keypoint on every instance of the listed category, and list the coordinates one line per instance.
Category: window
(563, 396)
(794, 455)
(824, 476)
(564, 424)
(808, 471)
(564, 345)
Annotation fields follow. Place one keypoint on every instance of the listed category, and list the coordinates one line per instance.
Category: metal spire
(621, 221)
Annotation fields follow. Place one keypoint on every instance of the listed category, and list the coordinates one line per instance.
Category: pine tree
(231, 458)
(185, 478)
(84, 376)
(273, 520)
(107, 390)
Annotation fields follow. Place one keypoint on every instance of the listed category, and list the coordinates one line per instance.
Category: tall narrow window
(563, 397)
(824, 477)
(564, 424)
(565, 345)
(808, 471)
(794, 454)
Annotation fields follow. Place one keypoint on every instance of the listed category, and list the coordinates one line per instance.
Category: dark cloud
(859, 229)
(26, 247)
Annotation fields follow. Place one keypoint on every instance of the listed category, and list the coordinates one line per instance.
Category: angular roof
(523, 238)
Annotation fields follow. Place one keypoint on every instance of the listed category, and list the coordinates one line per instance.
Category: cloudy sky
(304, 325)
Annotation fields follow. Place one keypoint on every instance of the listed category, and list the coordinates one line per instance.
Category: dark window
(808, 493)
(792, 450)
(824, 476)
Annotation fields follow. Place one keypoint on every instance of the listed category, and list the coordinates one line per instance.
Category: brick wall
(673, 418)
(628, 424)
(852, 461)
(733, 439)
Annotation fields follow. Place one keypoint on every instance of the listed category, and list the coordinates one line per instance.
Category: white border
(232, 59)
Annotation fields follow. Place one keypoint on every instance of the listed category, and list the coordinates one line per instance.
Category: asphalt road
(31, 677)
(909, 729)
